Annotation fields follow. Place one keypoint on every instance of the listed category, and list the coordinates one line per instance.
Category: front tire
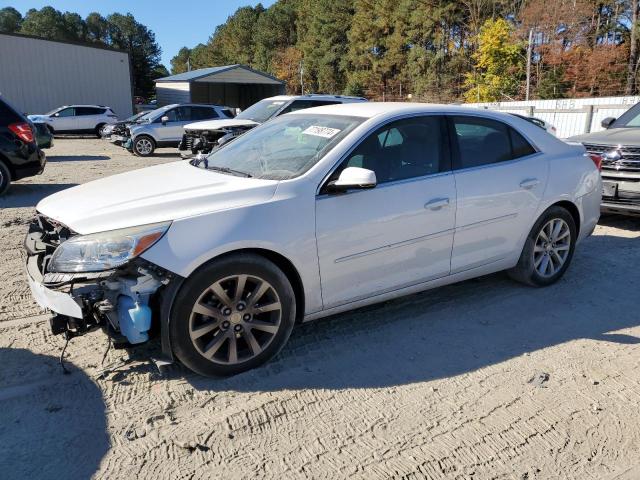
(144, 146)
(548, 249)
(5, 178)
(232, 315)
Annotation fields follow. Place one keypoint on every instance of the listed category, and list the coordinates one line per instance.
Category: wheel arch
(144, 134)
(572, 208)
(5, 161)
(284, 264)
(170, 293)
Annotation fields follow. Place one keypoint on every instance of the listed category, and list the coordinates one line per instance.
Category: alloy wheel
(144, 146)
(235, 319)
(552, 247)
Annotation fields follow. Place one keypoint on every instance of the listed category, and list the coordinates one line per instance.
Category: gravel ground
(484, 379)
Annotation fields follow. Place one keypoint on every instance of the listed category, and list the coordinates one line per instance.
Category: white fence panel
(570, 116)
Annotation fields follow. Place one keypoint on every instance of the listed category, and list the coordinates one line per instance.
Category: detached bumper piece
(114, 300)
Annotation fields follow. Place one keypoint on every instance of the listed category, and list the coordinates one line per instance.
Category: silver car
(164, 126)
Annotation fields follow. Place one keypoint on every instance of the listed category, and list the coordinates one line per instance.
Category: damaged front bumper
(125, 302)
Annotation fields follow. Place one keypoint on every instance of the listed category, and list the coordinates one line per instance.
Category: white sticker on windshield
(325, 132)
(278, 103)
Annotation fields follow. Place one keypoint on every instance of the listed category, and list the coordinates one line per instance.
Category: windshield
(283, 148)
(54, 111)
(629, 119)
(262, 111)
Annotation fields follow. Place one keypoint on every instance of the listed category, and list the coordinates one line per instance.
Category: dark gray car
(619, 146)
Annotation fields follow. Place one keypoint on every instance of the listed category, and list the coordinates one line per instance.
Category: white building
(38, 75)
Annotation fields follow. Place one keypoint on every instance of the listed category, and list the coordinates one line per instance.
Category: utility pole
(633, 50)
(188, 64)
(529, 50)
(301, 78)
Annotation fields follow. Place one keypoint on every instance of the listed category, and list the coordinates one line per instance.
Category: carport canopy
(236, 86)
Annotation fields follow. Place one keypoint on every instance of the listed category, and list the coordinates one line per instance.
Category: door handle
(437, 203)
(529, 183)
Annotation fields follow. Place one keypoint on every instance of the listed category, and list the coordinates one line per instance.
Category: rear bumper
(35, 166)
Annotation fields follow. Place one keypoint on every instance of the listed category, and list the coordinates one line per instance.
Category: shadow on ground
(456, 329)
(621, 221)
(76, 158)
(51, 425)
(29, 194)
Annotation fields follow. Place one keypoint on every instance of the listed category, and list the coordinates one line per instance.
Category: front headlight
(103, 251)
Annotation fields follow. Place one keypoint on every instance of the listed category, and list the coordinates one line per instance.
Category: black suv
(19, 154)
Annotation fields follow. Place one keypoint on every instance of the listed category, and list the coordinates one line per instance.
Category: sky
(176, 24)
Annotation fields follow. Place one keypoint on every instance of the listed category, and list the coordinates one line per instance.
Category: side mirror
(353, 178)
(606, 123)
(55, 115)
(164, 120)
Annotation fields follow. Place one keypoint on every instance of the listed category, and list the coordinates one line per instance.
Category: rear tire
(5, 178)
(98, 129)
(144, 146)
(548, 249)
(232, 315)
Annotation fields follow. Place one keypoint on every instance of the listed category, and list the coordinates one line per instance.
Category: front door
(173, 130)
(500, 179)
(398, 233)
(65, 120)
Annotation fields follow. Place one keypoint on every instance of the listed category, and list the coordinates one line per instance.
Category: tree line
(433, 50)
(116, 30)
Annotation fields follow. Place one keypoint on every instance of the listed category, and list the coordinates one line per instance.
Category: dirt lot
(485, 379)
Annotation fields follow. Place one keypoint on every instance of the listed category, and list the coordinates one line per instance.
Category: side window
(170, 114)
(322, 103)
(408, 148)
(183, 114)
(520, 147)
(481, 141)
(297, 105)
(82, 111)
(203, 113)
(67, 112)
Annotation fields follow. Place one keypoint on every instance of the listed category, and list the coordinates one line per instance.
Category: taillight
(597, 160)
(22, 131)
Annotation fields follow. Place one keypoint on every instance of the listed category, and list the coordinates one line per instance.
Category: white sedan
(314, 213)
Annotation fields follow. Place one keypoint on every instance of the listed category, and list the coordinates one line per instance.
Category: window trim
(454, 147)
(445, 168)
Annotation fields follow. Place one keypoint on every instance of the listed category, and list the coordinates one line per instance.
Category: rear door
(500, 179)
(88, 117)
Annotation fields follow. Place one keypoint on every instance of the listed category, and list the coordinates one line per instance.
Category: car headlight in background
(106, 250)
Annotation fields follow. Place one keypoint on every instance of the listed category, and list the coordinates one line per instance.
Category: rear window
(8, 114)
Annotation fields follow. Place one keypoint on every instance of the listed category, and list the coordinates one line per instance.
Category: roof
(373, 109)
(317, 96)
(68, 42)
(203, 73)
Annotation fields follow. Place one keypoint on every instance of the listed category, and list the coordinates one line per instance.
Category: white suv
(77, 119)
(203, 137)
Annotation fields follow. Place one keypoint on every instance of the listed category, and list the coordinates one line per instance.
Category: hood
(150, 195)
(218, 124)
(612, 136)
(38, 118)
